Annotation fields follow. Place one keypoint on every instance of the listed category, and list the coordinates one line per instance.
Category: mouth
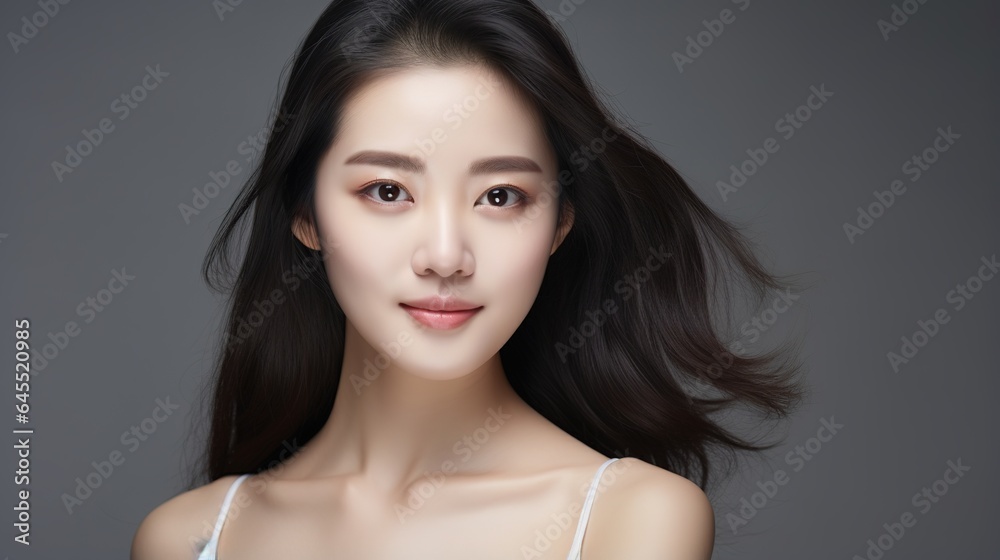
(439, 319)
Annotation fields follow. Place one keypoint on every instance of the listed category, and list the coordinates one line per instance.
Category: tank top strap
(209, 551)
(588, 504)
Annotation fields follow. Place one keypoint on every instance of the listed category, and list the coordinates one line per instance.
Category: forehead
(428, 111)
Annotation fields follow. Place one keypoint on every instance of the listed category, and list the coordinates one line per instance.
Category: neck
(391, 427)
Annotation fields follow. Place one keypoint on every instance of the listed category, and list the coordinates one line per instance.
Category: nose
(442, 246)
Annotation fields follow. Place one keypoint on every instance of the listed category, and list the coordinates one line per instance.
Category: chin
(431, 368)
(433, 354)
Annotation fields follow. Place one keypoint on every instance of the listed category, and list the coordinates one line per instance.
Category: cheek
(359, 256)
(525, 261)
(519, 261)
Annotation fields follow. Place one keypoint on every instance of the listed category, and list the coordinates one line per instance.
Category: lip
(441, 313)
(437, 303)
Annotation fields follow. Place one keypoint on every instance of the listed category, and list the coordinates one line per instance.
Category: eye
(499, 197)
(385, 192)
(388, 193)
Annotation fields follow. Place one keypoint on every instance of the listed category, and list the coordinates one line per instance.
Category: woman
(470, 305)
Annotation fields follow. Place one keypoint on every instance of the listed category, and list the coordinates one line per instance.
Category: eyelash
(362, 192)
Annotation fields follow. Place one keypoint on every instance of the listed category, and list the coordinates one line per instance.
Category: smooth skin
(434, 455)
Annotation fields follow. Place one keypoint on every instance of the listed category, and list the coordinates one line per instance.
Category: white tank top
(210, 552)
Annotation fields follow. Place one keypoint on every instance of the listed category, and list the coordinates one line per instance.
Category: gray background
(61, 240)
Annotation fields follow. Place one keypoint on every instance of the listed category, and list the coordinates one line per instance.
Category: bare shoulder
(646, 512)
(177, 528)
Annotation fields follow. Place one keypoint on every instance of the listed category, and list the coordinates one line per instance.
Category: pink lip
(440, 319)
(438, 303)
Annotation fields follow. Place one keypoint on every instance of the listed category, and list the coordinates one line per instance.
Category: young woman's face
(440, 183)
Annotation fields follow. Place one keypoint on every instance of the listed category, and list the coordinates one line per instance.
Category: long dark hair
(626, 347)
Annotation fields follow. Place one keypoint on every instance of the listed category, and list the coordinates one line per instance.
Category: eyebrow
(413, 165)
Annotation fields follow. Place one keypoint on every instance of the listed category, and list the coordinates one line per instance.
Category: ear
(567, 224)
(304, 230)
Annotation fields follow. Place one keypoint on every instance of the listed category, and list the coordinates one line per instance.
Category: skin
(396, 472)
